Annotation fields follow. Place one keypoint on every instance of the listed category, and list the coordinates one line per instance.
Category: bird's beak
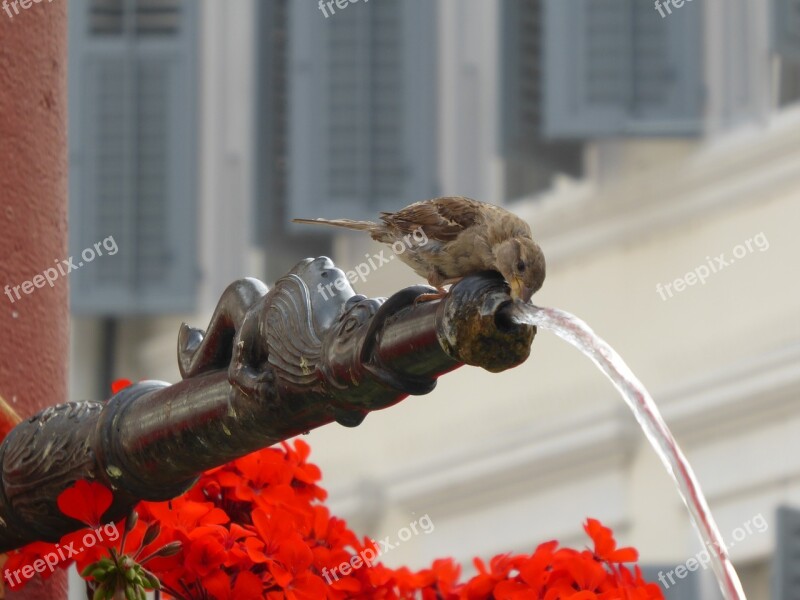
(519, 291)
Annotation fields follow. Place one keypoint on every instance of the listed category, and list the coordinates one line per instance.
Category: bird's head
(521, 262)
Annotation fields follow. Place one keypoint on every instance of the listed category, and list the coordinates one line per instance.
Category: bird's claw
(429, 297)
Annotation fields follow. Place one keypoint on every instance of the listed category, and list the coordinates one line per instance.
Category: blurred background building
(638, 146)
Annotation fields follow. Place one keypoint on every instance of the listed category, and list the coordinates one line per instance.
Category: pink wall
(33, 216)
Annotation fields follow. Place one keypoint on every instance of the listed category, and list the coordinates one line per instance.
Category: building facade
(643, 144)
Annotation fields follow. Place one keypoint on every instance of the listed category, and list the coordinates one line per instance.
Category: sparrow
(461, 237)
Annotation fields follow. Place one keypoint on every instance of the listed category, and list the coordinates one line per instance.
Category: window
(786, 572)
(530, 160)
(362, 113)
(618, 68)
(786, 42)
(132, 163)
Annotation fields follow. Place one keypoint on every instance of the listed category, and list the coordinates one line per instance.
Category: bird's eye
(521, 266)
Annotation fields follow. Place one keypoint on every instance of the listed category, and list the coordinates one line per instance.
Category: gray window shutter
(362, 107)
(272, 121)
(687, 588)
(530, 160)
(616, 67)
(132, 154)
(786, 21)
(786, 584)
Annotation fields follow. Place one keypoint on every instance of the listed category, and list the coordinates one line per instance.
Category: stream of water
(580, 335)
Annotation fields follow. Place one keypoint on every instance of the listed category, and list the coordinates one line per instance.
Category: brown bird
(446, 239)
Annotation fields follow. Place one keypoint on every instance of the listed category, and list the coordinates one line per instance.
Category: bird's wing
(442, 219)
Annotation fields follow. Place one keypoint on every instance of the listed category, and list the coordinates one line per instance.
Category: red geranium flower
(605, 547)
(255, 529)
(206, 555)
(85, 501)
(120, 384)
(243, 586)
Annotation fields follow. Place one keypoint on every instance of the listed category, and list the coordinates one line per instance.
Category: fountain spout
(272, 364)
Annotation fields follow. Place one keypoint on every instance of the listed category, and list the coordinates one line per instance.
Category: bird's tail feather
(346, 223)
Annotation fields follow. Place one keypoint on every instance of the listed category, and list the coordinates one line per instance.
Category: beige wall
(500, 462)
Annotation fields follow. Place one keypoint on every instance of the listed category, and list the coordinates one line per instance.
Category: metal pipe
(272, 364)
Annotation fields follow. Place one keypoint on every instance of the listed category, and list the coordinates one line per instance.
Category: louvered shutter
(362, 101)
(530, 159)
(786, 574)
(272, 121)
(787, 28)
(132, 154)
(616, 67)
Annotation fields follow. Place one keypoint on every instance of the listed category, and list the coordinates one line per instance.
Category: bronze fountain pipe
(271, 365)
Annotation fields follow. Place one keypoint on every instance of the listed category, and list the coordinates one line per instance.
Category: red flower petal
(85, 501)
(120, 384)
(247, 586)
(605, 546)
(205, 556)
(513, 590)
